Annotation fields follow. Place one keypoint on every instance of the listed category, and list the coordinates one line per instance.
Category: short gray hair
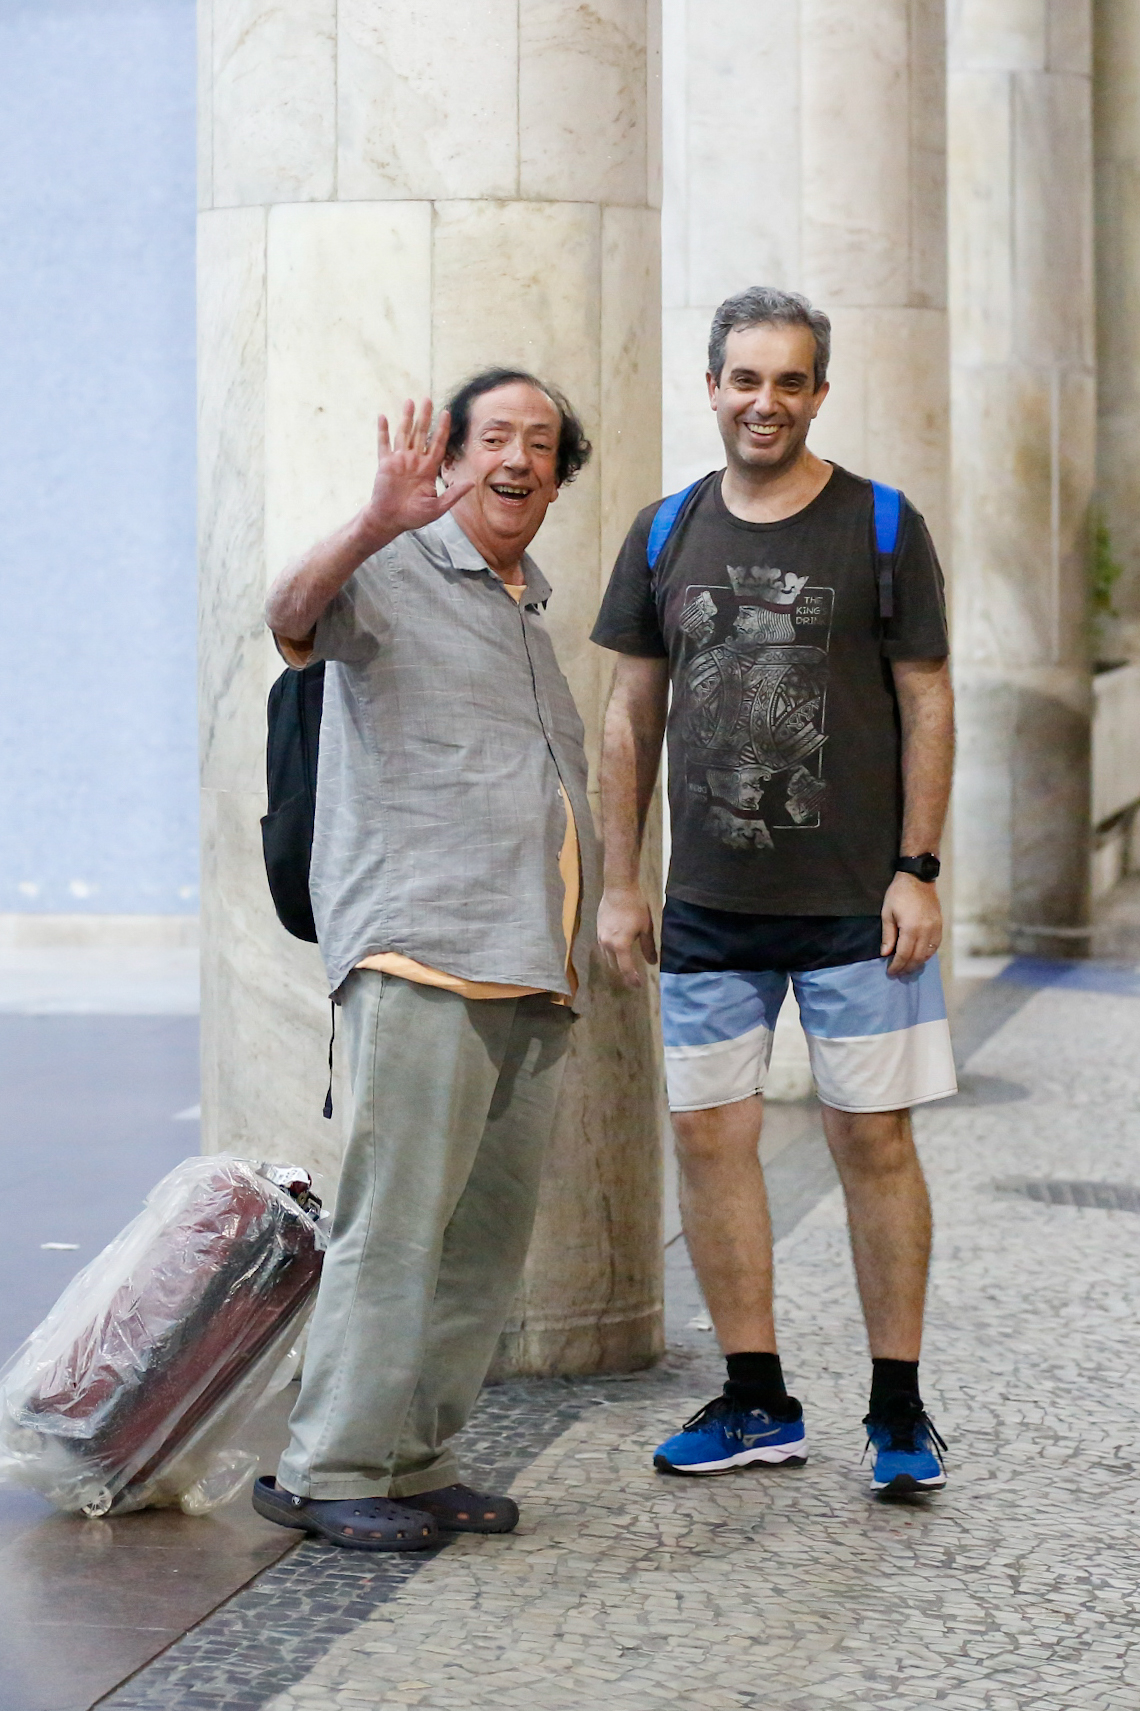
(763, 305)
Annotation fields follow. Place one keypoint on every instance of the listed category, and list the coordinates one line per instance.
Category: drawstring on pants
(328, 1110)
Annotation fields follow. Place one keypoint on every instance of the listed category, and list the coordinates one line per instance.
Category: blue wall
(97, 708)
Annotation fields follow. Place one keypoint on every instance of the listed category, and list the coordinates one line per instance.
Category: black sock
(757, 1381)
(891, 1379)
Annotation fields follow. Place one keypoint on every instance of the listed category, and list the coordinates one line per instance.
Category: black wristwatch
(925, 867)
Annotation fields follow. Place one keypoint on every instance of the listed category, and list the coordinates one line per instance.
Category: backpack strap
(665, 521)
(888, 510)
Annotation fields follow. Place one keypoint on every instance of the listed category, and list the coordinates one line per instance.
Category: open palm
(404, 492)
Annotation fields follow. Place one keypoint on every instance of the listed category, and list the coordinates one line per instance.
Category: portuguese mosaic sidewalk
(1016, 1590)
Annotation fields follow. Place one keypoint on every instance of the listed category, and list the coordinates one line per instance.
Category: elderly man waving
(452, 842)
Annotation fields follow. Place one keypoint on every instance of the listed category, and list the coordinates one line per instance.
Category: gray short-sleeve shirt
(448, 730)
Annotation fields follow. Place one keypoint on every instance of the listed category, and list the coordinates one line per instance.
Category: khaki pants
(453, 1104)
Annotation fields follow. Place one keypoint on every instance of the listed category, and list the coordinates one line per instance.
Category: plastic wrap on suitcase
(130, 1392)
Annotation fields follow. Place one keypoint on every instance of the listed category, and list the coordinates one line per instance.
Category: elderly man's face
(511, 455)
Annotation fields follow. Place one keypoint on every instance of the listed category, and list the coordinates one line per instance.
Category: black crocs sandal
(458, 1509)
(357, 1523)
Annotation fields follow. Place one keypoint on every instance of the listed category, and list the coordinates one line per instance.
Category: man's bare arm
(631, 755)
(912, 916)
(403, 497)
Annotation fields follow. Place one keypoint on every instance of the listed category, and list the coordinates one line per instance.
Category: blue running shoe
(906, 1451)
(722, 1436)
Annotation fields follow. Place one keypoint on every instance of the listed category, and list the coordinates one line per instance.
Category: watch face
(925, 867)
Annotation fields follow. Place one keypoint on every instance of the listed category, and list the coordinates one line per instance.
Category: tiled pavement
(1018, 1588)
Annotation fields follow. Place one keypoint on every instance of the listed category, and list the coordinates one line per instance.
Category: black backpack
(294, 717)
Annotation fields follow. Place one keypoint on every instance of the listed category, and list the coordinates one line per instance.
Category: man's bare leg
(888, 1215)
(724, 1213)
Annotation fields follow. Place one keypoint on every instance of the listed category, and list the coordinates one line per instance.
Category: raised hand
(403, 497)
(404, 492)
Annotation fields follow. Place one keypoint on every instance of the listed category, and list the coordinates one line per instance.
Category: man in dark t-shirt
(810, 742)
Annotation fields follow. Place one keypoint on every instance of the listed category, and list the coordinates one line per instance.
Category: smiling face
(511, 455)
(765, 396)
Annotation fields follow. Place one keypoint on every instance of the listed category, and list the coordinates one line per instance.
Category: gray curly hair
(763, 305)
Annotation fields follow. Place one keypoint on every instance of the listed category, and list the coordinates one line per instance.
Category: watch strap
(926, 867)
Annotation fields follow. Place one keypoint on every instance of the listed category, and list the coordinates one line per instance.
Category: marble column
(1116, 147)
(1024, 434)
(805, 148)
(392, 197)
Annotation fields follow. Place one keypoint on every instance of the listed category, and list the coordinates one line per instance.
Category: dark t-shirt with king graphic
(785, 793)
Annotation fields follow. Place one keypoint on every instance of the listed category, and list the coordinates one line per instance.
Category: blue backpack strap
(888, 510)
(665, 521)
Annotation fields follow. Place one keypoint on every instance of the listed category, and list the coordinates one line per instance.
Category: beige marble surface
(654, 140)
(518, 282)
(272, 104)
(1003, 538)
(742, 196)
(348, 334)
(840, 198)
(926, 162)
(234, 655)
(265, 1009)
(1012, 35)
(880, 355)
(629, 433)
(691, 444)
(395, 197)
(1116, 116)
(592, 1294)
(584, 126)
(1024, 439)
(980, 127)
(1076, 482)
(1023, 742)
(1052, 219)
(856, 190)
(402, 132)
(1070, 37)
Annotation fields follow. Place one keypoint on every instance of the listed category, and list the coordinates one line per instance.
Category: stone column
(392, 197)
(805, 148)
(1116, 138)
(832, 182)
(1024, 429)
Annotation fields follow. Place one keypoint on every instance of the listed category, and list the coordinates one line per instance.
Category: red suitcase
(129, 1390)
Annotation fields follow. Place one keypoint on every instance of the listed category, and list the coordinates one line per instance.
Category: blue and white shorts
(877, 1042)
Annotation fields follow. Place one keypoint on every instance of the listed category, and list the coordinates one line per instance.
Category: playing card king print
(754, 702)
